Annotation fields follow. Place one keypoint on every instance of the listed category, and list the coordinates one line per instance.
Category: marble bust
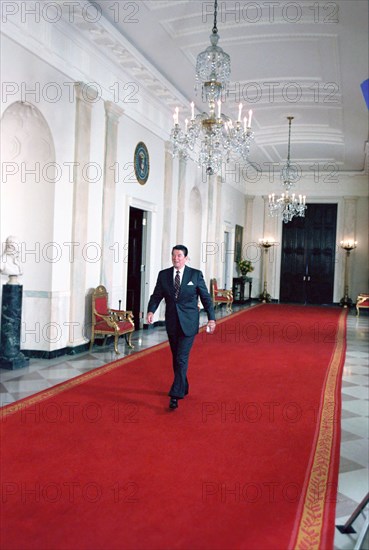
(9, 264)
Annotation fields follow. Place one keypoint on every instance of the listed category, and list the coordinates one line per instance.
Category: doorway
(308, 256)
(137, 224)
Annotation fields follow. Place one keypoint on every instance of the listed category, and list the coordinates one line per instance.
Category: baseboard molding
(40, 354)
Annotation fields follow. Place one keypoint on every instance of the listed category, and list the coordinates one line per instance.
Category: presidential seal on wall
(141, 163)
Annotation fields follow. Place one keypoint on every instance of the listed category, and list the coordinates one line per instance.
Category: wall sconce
(266, 244)
(348, 246)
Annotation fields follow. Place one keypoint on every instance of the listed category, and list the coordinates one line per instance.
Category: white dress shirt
(180, 273)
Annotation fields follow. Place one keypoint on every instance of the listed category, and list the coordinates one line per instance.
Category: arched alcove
(29, 172)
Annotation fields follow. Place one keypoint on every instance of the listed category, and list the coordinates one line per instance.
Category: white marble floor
(354, 471)
(353, 481)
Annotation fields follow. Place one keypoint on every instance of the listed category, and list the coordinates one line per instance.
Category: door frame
(149, 209)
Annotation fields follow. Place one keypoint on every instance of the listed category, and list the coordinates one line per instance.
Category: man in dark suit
(181, 287)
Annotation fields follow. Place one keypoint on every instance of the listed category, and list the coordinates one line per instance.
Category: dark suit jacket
(186, 306)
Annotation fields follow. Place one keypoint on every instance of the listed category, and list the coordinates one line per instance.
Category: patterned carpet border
(320, 490)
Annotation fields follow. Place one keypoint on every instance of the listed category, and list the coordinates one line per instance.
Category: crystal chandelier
(212, 136)
(288, 205)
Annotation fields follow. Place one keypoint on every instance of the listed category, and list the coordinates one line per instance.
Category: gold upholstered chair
(220, 295)
(109, 322)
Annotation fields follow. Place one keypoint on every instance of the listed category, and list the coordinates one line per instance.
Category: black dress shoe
(173, 403)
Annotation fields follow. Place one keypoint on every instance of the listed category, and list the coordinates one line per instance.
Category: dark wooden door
(134, 263)
(308, 256)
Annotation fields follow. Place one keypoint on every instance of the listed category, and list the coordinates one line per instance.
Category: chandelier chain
(215, 29)
(290, 118)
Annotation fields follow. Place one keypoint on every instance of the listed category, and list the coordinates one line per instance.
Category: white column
(210, 266)
(112, 115)
(349, 218)
(167, 243)
(181, 201)
(80, 211)
(219, 232)
(249, 246)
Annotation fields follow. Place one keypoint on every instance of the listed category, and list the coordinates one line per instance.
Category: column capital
(85, 93)
(112, 110)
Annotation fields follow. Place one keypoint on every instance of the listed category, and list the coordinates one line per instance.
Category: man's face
(178, 259)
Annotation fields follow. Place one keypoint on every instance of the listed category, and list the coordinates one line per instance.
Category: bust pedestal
(11, 313)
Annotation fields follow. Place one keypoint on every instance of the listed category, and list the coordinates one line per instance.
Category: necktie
(177, 284)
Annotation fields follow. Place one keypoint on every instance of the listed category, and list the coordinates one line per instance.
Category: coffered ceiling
(303, 58)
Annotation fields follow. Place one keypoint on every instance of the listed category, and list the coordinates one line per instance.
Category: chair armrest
(121, 315)
(224, 294)
(109, 319)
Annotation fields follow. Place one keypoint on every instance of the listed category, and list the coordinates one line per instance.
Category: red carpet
(248, 461)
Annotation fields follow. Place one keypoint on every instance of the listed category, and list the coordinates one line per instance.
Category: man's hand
(210, 327)
(150, 318)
